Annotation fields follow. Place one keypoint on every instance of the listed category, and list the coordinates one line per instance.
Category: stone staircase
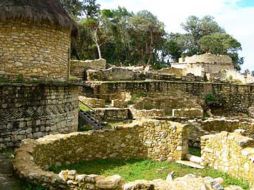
(89, 117)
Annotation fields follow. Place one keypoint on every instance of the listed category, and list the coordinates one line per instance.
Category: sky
(235, 16)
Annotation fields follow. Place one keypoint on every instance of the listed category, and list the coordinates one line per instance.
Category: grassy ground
(145, 169)
(84, 107)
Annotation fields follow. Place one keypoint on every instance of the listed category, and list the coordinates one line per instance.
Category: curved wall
(36, 110)
(32, 51)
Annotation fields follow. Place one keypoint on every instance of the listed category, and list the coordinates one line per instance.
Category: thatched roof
(36, 11)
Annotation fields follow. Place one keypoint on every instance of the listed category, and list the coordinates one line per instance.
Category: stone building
(209, 63)
(35, 39)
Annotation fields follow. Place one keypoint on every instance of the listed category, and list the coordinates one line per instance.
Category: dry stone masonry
(231, 153)
(157, 140)
(34, 51)
(35, 110)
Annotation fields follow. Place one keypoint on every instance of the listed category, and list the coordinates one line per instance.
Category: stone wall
(92, 102)
(31, 51)
(207, 58)
(79, 67)
(231, 153)
(36, 110)
(176, 103)
(114, 74)
(237, 98)
(209, 62)
(158, 140)
(112, 114)
(199, 128)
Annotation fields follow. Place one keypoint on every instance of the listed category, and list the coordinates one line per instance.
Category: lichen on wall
(229, 152)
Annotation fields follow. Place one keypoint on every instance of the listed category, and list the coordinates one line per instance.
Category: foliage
(213, 100)
(126, 38)
(195, 151)
(73, 7)
(132, 170)
(203, 35)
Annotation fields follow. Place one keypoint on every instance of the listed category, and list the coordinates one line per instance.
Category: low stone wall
(79, 67)
(188, 112)
(231, 153)
(158, 140)
(175, 104)
(153, 113)
(114, 74)
(112, 114)
(92, 102)
(199, 128)
(36, 110)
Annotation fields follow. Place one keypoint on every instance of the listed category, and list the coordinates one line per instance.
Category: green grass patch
(145, 169)
(83, 107)
(195, 151)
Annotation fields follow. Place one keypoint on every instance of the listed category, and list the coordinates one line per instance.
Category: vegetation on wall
(124, 37)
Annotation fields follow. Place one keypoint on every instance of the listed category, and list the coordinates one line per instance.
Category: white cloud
(237, 21)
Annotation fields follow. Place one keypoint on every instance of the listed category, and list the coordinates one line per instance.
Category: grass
(84, 107)
(195, 151)
(145, 169)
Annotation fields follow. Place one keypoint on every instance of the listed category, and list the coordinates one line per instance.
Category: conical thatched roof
(36, 11)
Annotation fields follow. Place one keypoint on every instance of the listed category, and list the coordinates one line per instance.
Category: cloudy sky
(235, 16)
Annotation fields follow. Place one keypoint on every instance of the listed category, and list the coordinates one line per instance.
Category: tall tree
(91, 8)
(148, 32)
(73, 7)
(203, 35)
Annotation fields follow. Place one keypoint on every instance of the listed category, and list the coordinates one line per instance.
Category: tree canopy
(124, 37)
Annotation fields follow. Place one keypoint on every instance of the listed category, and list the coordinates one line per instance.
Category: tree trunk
(95, 36)
(150, 48)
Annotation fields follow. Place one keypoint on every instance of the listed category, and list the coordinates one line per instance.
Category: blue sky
(235, 16)
(246, 3)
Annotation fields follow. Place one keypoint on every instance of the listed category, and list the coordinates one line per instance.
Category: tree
(222, 43)
(73, 7)
(196, 28)
(91, 8)
(148, 33)
(203, 35)
(219, 43)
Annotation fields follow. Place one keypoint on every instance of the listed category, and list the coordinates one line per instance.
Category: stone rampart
(36, 110)
(231, 153)
(237, 98)
(157, 140)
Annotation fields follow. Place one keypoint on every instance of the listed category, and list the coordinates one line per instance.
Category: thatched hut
(35, 38)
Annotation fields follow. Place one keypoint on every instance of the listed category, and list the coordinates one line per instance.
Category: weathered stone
(111, 182)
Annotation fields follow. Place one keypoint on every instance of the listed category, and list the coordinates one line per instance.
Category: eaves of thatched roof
(36, 11)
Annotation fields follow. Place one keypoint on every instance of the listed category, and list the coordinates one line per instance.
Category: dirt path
(7, 179)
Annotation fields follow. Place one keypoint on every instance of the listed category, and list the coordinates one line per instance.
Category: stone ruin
(161, 119)
(163, 112)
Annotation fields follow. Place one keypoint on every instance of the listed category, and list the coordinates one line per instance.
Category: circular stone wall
(31, 51)
(152, 139)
